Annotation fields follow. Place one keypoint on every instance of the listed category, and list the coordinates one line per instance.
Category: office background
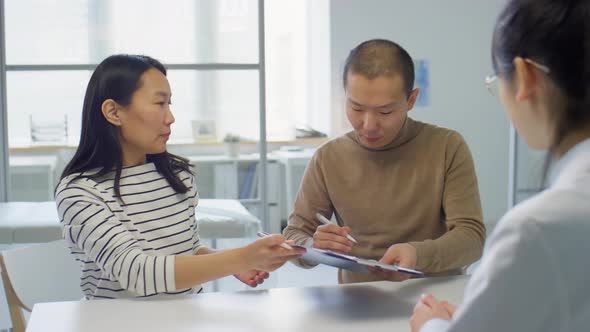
(306, 43)
(49, 49)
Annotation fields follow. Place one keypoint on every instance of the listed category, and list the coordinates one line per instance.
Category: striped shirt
(126, 247)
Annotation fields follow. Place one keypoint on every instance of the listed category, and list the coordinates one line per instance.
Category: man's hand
(429, 308)
(403, 255)
(332, 237)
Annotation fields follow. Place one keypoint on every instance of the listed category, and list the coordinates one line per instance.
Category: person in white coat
(534, 272)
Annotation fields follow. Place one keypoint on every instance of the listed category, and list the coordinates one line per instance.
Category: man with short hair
(406, 190)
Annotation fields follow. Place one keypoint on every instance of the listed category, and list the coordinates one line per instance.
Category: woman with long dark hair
(534, 272)
(127, 206)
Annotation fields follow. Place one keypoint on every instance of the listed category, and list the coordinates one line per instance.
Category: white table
(374, 307)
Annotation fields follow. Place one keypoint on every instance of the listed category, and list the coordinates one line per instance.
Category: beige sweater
(420, 189)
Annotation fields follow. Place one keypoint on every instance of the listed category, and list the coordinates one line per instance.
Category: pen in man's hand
(325, 221)
(284, 245)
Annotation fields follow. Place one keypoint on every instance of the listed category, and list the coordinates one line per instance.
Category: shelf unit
(238, 178)
(220, 176)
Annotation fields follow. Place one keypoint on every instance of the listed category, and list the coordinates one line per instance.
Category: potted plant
(232, 145)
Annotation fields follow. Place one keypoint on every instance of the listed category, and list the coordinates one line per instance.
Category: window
(45, 35)
(42, 36)
(209, 46)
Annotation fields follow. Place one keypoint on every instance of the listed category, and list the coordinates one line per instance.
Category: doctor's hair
(555, 34)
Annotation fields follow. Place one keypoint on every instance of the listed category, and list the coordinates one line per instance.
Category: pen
(325, 221)
(284, 245)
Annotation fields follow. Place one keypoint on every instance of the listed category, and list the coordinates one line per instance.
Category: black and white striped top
(126, 247)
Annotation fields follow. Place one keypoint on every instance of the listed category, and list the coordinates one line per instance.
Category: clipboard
(351, 263)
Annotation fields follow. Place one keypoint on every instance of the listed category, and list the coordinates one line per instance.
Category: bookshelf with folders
(239, 178)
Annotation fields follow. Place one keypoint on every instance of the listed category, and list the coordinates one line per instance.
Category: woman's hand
(266, 254)
(252, 278)
(429, 308)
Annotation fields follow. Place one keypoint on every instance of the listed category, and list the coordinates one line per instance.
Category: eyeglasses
(492, 80)
(492, 85)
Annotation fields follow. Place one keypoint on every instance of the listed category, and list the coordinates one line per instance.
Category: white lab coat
(535, 271)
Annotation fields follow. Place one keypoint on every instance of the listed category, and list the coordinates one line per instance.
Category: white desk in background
(225, 218)
(30, 222)
(374, 306)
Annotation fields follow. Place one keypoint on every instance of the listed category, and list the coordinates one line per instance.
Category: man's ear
(110, 111)
(412, 99)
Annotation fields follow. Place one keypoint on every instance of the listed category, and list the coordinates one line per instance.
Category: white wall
(455, 37)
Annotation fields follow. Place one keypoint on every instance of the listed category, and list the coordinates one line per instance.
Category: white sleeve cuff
(436, 325)
(169, 273)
